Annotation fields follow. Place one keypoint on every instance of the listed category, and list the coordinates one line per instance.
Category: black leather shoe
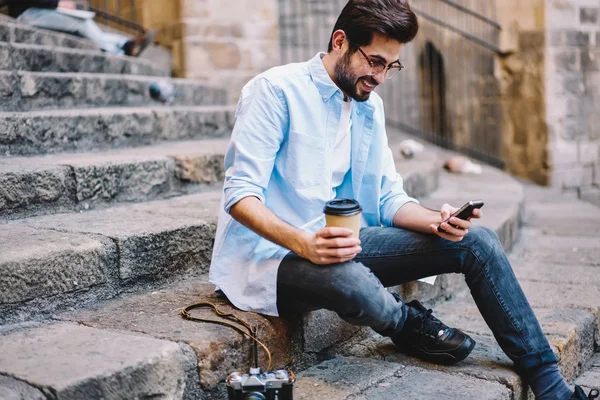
(580, 395)
(427, 337)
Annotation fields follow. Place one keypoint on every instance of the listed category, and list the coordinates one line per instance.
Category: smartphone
(464, 212)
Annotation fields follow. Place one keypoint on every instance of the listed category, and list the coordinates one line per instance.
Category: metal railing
(448, 93)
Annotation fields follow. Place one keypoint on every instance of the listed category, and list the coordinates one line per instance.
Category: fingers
(477, 213)
(459, 223)
(452, 234)
(334, 231)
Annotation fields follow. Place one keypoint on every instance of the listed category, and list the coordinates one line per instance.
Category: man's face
(353, 72)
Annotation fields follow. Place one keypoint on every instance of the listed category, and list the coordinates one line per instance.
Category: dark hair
(361, 18)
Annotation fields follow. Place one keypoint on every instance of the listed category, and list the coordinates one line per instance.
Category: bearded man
(311, 132)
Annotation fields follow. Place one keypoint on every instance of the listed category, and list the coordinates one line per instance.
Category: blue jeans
(48, 18)
(391, 256)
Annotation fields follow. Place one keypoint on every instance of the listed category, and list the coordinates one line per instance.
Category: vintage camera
(258, 385)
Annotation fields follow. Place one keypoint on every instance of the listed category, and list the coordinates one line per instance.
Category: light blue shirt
(287, 122)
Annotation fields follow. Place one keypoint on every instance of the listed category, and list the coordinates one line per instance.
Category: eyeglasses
(378, 67)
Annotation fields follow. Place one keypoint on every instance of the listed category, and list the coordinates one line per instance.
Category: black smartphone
(465, 211)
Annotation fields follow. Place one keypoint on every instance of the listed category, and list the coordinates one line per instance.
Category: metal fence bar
(464, 34)
(472, 13)
(446, 94)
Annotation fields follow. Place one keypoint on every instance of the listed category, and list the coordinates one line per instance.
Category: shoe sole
(449, 358)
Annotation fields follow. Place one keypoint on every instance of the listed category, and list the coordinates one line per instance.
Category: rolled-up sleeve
(261, 120)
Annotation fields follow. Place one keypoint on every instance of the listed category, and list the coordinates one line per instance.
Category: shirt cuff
(232, 200)
(390, 210)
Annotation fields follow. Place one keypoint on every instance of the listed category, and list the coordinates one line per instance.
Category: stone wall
(522, 77)
(227, 42)
(573, 93)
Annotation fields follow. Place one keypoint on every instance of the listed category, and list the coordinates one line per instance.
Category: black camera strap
(185, 313)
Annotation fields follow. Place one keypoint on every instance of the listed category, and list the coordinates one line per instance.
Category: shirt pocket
(305, 161)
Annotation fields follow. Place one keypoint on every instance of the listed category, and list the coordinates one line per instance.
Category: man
(46, 14)
(310, 132)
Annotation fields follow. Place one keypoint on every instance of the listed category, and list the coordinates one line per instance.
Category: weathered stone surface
(33, 57)
(219, 349)
(200, 168)
(155, 239)
(590, 379)
(22, 33)
(323, 329)
(41, 185)
(575, 219)
(359, 378)
(71, 361)
(24, 91)
(41, 263)
(487, 361)
(538, 249)
(13, 389)
(25, 188)
(45, 132)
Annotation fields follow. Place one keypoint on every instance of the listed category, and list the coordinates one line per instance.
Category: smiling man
(310, 132)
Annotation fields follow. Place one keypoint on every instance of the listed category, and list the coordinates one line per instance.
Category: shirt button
(324, 97)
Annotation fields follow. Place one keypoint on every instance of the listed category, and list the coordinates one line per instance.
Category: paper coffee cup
(344, 213)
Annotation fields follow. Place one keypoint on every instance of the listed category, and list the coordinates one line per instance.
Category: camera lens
(255, 396)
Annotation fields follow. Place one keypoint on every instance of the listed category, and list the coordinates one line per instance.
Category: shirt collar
(322, 80)
(321, 77)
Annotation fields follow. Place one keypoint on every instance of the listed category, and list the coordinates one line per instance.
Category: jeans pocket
(305, 160)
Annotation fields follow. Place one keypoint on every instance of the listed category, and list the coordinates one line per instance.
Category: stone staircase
(108, 205)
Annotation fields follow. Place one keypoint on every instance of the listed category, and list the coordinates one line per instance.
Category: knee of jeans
(483, 243)
(354, 285)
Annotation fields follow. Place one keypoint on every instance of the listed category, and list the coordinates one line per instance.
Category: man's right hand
(330, 245)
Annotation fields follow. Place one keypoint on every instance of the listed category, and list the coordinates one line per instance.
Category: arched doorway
(433, 96)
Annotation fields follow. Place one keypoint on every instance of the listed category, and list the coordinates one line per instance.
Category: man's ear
(338, 39)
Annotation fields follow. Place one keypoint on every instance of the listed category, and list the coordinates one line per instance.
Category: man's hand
(330, 245)
(67, 4)
(456, 229)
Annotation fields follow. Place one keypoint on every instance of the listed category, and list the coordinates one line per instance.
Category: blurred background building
(514, 83)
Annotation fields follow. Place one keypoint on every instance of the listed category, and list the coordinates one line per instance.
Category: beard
(348, 81)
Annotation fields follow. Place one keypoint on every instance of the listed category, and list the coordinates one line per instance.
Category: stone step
(26, 91)
(131, 244)
(56, 131)
(373, 379)
(74, 182)
(590, 379)
(98, 254)
(69, 361)
(15, 32)
(39, 58)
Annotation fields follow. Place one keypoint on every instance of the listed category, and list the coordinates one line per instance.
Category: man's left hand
(455, 229)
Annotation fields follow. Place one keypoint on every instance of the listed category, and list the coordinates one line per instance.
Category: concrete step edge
(76, 182)
(27, 91)
(13, 31)
(31, 57)
(59, 131)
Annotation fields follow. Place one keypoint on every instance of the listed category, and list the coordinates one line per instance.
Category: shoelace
(431, 325)
(594, 394)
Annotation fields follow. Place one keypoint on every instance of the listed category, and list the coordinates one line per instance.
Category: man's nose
(380, 77)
